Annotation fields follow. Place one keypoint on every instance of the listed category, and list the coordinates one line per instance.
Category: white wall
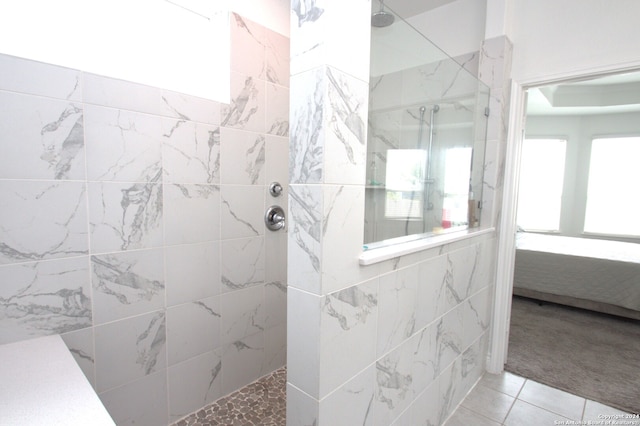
(457, 27)
(554, 38)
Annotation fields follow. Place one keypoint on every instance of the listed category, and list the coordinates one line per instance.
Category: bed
(600, 275)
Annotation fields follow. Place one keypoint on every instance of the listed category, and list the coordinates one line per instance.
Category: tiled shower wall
(398, 342)
(132, 224)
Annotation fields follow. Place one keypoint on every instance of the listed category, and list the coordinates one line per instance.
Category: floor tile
(596, 412)
(555, 400)
(465, 417)
(489, 403)
(506, 382)
(524, 414)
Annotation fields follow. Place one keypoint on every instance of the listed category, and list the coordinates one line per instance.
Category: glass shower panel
(426, 139)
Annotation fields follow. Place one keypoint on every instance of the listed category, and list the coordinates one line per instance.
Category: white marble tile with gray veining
(394, 385)
(122, 94)
(190, 152)
(191, 108)
(243, 314)
(461, 274)
(448, 384)
(306, 154)
(122, 145)
(130, 349)
(275, 348)
(42, 220)
(424, 410)
(276, 58)
(348, 333)
(246, 110)
(243, 361)
(424, 351)
(125, 216)
(449, 338)
(190, 273)
(44, 298)
(194, 384)
(275, 293)
(242, 263)
(242, 211)
(306, 27)
(345, 140)
(476, 319)
(432, 302)
(305, 234)
(277, 161)
(191, 213)
(397, 303)
(127, 284)
(80, 344)
(244, 155)
(352, 403)
(277, 114)
(41, 138)
(193, 329)
(247, 40)
(25, 76)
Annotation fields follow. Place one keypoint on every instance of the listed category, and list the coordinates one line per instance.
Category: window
(613, 203)
(180, 45)
(405, 183)
(541, 181)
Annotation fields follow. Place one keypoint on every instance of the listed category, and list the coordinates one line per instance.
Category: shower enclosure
(426, 139)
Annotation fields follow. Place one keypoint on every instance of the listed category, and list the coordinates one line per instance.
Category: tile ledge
(381, 254)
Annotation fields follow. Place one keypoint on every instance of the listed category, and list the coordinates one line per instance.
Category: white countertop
(41, 384)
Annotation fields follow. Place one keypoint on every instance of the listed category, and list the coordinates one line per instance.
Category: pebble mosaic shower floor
(260, 403)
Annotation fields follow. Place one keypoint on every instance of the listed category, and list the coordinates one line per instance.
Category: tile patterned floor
(260, 403)
(497, 400)
(511, 400)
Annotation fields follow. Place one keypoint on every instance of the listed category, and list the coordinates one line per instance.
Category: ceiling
(603, 95)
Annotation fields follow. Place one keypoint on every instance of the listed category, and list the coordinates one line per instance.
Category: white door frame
(506, 252)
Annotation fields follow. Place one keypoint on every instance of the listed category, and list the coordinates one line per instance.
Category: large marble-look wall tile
(42, 220)
(194, 384)
(244, 155)
(242, 264)
(122, 145)
(315, 42)
(277, 113)
(141, 402)
(41, 138)
(277, 58)
(130, 349)
(242, 211)
(277, 162)
(396, 308)
(25, 76)
(303, 344)
(424, 347)
(127, 284)
(425, 408)
(348, 333)
(247, 46)
(328, 128)
(305, 237)
(275, 348)
(495, 72)
(190, 108)
(120, 94)
(43, 298)
(247, 108)
(190, 152)
(301, 408)
(275, 294)
(192, 272)
(449, 338)
(394, 384)
(125, 216)
(243, 314)
(193, 329)
(243, 362)
(432, 291)
(80, 344)
(191, 213)
(352, 403)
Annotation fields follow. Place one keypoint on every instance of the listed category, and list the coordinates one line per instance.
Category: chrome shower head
(382, 18)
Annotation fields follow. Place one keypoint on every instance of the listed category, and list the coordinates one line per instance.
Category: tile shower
(132, 225)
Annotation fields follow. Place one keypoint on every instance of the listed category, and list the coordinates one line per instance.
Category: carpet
(592, 355)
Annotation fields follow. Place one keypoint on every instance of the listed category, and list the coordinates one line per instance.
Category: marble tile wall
(132, 225)
(398, 342)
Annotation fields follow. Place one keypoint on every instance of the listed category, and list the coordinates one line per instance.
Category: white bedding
(594, 270)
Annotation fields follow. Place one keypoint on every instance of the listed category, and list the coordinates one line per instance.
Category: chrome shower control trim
(275, 189)
(274, 218)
